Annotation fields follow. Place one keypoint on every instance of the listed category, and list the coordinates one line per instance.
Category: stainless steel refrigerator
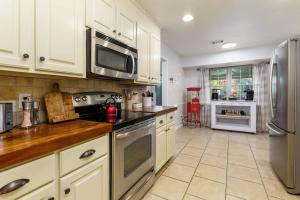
(284, 127)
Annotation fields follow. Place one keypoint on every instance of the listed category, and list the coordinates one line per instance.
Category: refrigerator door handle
(270, 83)
(273, 131)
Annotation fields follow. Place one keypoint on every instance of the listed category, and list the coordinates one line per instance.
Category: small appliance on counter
(6, 117)
(132, 142)
(215, 94)
(249, 95)
(27, 113)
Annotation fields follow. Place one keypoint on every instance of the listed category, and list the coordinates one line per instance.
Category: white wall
(226, 58)
(175, 90)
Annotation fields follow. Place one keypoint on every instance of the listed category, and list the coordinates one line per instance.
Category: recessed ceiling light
(187, 18)
(228, 45)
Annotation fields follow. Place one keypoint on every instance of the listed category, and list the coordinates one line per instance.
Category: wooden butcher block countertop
(158, 110)
(19, 145)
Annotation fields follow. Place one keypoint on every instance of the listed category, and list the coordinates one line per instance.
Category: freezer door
(282, 87)
(282, 154)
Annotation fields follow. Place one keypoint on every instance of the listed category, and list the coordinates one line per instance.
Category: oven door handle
(133, 132)
(133, 62)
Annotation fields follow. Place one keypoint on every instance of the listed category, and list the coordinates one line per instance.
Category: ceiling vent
(215, 42)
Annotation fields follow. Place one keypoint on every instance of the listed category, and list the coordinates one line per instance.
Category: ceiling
(249, 23)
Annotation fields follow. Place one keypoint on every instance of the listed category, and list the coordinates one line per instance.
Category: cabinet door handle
(51, 198)
(87, 153)
(25, 55)
(114, 31)
(171, 117)
(67, 191)
(42, 59)
(161, 121)
(14, 185)
(119, 33)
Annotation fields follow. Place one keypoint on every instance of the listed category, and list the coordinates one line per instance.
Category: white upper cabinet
(60, 36)
(101, 14)
(17, 33)
(155, 51)
(143, 46)
(116, 19)
(126, 23)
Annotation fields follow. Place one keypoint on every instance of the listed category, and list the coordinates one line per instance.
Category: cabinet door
(143, 42)
(155, 60)
(126, 24)
(171, 141)
(60, 36)
(48, 192)
(90, 182)
(101, 15)
(17, 33)
(161, 149)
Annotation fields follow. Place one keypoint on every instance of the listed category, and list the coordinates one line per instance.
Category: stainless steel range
(132, 143)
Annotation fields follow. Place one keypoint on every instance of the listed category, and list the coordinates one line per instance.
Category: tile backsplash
(11, 87)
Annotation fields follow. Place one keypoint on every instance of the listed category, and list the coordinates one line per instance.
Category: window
(218, 80)
(231, 81)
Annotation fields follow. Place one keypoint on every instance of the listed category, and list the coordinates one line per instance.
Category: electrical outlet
(22, 97)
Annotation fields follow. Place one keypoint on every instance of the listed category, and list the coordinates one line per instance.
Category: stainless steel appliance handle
(276, 132)
(133, 62)
(270, 83)
(131, 133)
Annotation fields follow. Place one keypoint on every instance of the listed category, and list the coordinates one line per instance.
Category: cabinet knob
(161, 121)
(67, 191)
(114, 31)
(119, 33)
(171, 117)
(25, 55)
(42, 59)
(51, 198)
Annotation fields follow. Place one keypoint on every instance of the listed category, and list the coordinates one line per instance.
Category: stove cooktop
(126, 118)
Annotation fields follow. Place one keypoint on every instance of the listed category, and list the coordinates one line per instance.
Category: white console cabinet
(234, 115)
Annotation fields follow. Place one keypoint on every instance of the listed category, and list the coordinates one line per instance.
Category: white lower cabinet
(165, 140)
(39, 179)
(90, 182)
(48, 192)
(171, 141)
(161, 149)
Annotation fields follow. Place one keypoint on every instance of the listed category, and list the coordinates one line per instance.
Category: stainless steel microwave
(110, 58)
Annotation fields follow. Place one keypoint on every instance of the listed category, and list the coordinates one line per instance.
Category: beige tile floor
(218, 165)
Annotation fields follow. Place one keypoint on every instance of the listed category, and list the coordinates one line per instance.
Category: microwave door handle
(133, 62)
(270, 83)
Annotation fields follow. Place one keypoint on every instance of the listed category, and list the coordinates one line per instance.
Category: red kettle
(111, 110)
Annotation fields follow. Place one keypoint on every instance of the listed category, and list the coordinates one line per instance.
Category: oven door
(111, 58)
(133, 155)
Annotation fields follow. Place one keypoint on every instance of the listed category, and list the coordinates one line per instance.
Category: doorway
(161, 90)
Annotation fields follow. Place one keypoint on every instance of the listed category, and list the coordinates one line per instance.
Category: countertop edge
(44, 148)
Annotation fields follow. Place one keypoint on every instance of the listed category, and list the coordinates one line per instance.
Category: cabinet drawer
(82, 154)
(170, 117)
(161, 120)
(27, 177)
(46, 192)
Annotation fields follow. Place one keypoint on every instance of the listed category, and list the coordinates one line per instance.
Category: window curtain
(261, 95)
(204, 96)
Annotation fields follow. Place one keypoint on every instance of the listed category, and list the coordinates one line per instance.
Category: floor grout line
(261, 178)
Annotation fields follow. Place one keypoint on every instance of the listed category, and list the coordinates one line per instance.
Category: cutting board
(59, 106)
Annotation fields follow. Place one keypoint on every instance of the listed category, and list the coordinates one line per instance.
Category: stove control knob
(84, 98)
(77, 99)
